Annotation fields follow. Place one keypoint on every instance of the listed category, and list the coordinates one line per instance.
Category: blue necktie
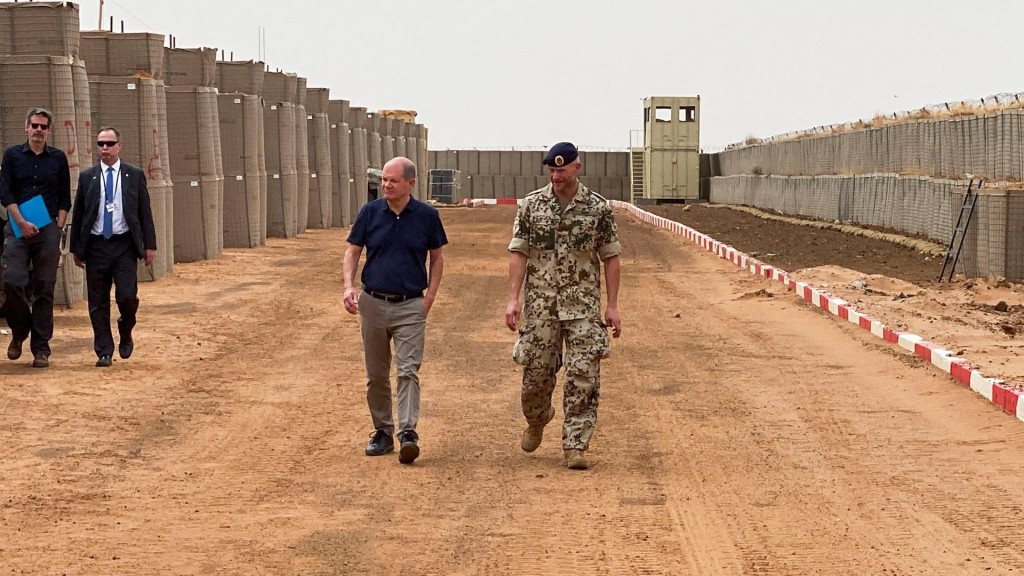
(108, 216)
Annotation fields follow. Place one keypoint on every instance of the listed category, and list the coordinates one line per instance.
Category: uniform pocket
(583, 233)
(603, 341)
(521, 349)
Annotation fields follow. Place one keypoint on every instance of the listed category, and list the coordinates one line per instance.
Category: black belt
(393, 297)
(113, 237)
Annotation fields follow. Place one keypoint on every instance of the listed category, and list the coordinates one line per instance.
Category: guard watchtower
(671, 150)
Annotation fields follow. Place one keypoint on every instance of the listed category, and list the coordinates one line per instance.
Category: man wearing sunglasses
(111, 229)
(28, 170)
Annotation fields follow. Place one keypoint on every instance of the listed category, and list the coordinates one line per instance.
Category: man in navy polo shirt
(398, 233)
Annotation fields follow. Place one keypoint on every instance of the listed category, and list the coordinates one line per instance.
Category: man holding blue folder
(32, 238)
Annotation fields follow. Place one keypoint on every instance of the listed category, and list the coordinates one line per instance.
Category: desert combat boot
(533, 435)
(574, 460)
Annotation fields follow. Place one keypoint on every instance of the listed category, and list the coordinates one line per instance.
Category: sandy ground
(981, 320)
(741, 431)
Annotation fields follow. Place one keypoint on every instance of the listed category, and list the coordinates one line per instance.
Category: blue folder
(34, 210)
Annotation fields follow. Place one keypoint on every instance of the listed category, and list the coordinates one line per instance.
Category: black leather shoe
(14, 348)
(41, 361)
(409, 450)
(104, 361)
(126, 347)
(381, 443)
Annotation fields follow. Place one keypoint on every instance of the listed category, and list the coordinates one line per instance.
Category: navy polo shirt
(397, 245)
(24, 174)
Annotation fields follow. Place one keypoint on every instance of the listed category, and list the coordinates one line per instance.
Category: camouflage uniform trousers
(539, 350)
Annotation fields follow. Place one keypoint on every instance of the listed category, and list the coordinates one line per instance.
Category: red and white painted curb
(960, 369)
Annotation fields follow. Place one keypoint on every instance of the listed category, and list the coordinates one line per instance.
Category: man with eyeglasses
(26, 171)
(111, 229)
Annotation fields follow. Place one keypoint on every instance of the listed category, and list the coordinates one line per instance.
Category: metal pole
(99, 25)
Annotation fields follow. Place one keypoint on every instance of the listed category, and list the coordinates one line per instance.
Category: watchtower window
(687, 114)
(663, 114)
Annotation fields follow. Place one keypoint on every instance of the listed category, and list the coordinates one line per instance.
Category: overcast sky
(529, 73)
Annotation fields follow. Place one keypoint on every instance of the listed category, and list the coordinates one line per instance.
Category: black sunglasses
(106, 144)
(39, 126)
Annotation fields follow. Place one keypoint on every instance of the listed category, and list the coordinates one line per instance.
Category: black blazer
(137, 211)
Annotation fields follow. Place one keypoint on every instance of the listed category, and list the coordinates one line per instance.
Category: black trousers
(30, 272)
(111, 262)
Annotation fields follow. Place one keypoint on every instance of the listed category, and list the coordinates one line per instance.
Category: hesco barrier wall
(986, 146)
(908, 176)
(387, 149)
(301, 168)
(279, 87)
(109, 54)
(262, 167)
(400, 147)
(321, 178)
(341, 162)
(374, 141)
(39, 67)
(198, 173)
(359, 158)
(44, 81)
(418, 154)
(167, 234)
(374, 148)
(301, 154)
(993, 244)
(35, 28)
(190, 66)
(282, 185)
(245, 77)
(515, 173)
(240, 134)
(136, 59)
(83, 114)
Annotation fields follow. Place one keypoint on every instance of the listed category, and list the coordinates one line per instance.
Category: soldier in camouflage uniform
(561, 235)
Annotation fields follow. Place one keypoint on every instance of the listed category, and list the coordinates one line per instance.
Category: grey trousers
(30, 293)
(404, 323)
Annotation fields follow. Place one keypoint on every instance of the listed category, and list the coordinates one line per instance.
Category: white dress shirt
(120, 226)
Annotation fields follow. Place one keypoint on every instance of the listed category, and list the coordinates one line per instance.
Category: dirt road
(740, 432)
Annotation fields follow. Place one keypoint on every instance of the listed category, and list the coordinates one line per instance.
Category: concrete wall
(516, 173)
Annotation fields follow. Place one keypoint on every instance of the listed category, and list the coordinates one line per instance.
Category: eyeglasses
(39, 126)
(106, 144)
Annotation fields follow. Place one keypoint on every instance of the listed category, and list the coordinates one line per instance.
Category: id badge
(111, 206)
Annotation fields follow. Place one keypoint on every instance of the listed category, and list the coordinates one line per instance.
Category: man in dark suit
(111, 228)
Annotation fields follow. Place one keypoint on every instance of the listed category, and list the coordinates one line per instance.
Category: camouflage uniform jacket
(565, 250)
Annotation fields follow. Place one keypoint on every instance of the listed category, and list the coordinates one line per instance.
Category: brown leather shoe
(533, 435)
(41, 361)
(574, 460)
